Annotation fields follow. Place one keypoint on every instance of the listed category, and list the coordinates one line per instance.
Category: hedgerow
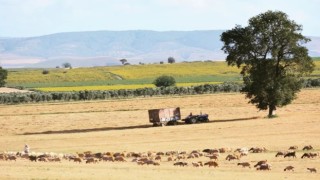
(35, 97)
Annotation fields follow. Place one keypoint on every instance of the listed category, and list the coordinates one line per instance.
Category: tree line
(39, 97)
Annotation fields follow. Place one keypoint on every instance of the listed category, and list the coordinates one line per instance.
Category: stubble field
(122, 125)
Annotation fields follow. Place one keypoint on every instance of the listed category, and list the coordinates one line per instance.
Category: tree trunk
(271, 109)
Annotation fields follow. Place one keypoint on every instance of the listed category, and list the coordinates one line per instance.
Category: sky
(26, 18)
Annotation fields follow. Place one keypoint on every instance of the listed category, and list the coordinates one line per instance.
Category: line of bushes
(33, 97)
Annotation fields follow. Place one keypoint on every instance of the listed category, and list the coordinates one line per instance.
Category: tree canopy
(3, 76)
(171, 60)
(164, 81)
(273, 59)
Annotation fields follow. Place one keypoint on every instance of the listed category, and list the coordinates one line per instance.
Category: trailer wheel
(193, 120)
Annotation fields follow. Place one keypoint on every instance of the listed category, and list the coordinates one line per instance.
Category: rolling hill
(100, 48)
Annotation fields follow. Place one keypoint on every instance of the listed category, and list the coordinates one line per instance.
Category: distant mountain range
(100, 48)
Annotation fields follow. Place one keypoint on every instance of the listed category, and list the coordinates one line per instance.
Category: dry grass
(122, 125)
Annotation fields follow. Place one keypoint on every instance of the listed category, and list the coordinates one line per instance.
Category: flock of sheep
(199, 158)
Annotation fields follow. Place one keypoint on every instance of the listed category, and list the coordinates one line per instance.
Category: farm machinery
(171, 116)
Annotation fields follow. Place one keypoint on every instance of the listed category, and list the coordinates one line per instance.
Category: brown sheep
(293, 147)
(264, 167)
(280, 153)
(190, 156)
(290, 154)
(160, 153)
(180, 164)
(3, 157)
(259, 163)
(107, 158)
(231, 157)
(158, 158)
(149, 162)
(306, 155)
(77, 160)
(33, 158)
(307, 148)
(170, 159)
(91, 160)
(55, 159)
(195, 164)
(140, 162)
(212, 163)
(43, 159)
(312, 155)
(289, 168)
(12, 158)
(214, 157)
(244, 164)
(312, 170)
(119, 158)
(156, 164)
(257, 150)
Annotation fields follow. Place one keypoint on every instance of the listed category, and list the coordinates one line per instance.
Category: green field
(126, 77)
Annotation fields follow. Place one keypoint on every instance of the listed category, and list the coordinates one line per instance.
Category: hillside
(100, 48)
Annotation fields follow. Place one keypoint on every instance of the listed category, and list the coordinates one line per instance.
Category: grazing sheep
(306, 155)
(214, 157)
(259, 163)
(293, 147)
(290, 154)
(160, 153)
(33, 158)
(211, 151)
(54, 159)
(264, 167)
(257, 150)
(91, 160)
(314, 155)
(231, 157)
(170, 159)
(195, 164)
(149, 162)
(180, 164)
(77, 160)
(158, 158)
(307, 148)
(281, 153)
(244, 164)
(289, 168)
(212, 163)
(43, 159)
(12, 158)
(190, 156)
(3, 157)
(119, 158)
(107, 158)
(156, 164)
(312, 170)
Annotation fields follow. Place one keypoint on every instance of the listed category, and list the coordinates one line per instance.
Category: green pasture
(131, 76)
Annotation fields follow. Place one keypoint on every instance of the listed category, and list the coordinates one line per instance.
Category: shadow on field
(127, 127)
(88, 130)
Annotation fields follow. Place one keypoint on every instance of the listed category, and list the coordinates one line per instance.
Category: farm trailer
(167, 116)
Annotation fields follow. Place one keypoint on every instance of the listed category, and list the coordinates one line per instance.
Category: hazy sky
(40, 17)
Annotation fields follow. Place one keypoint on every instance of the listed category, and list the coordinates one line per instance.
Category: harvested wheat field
(61, 130)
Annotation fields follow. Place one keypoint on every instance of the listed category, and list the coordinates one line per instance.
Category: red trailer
(165, 116)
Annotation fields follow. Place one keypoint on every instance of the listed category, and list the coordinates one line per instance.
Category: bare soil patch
(10, 90)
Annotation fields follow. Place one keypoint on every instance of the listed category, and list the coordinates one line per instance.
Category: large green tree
(273, 59)
(3, 76)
